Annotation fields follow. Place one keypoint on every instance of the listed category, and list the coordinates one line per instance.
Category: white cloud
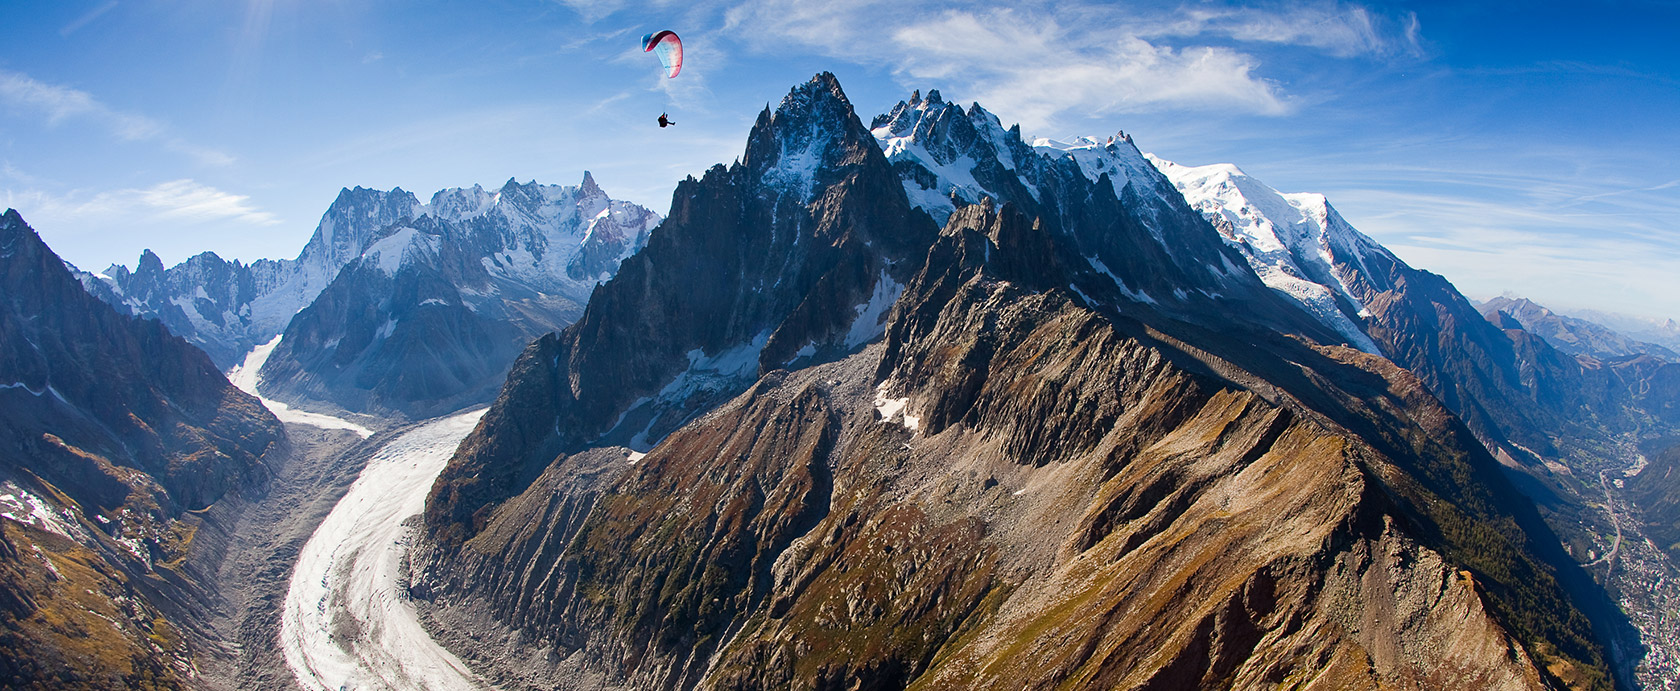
(188, 200)
(173, 201)
(1335, 28)
(1034, 70)
(1040, 61)
(59, 104)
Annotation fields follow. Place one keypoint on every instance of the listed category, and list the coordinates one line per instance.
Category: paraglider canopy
(668, 47)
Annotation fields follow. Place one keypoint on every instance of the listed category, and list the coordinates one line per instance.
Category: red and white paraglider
(668, 47)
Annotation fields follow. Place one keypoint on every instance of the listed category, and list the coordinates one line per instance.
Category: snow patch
(890, 408)
(705, 374)
(870, 323)
(23, 506)
(1124, 289)
(388, 253)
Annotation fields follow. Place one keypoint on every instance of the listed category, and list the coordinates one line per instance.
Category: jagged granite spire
(778, 257)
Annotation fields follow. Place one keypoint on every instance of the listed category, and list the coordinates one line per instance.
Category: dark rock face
(120, 428)
(756, 263)
(1059, 486)
(115, 388)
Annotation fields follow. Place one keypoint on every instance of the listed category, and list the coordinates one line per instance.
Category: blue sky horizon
(1522, 147)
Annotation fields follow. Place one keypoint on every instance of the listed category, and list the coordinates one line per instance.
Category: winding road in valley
(347, 623)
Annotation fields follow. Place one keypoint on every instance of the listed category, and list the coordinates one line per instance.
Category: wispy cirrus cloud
(184, 200)
(62, 104)
(87, 18)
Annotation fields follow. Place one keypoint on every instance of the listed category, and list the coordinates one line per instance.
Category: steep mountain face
(112, 430)
(1032, 462)
(792, 254)
(226, 308)
(433, 312)
(1571, 335)
(1296, 243)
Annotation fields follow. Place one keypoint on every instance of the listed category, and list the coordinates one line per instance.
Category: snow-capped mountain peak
(1297, 243)
(963, 154)
(805, 138)
(460, 204)
(389, 252)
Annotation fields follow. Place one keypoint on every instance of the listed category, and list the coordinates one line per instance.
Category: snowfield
(347, 622)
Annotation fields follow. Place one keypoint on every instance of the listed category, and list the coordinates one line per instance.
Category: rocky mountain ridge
(1085, 411)
(215, 303)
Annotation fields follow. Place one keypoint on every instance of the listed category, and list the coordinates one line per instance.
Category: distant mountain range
(1571, 335)
(395, 306)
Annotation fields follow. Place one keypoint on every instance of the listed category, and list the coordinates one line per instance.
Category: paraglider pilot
(665, 122)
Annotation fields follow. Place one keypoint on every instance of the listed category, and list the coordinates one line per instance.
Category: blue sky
(1529, 147)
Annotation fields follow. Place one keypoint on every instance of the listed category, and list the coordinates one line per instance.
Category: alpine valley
(912, 403)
